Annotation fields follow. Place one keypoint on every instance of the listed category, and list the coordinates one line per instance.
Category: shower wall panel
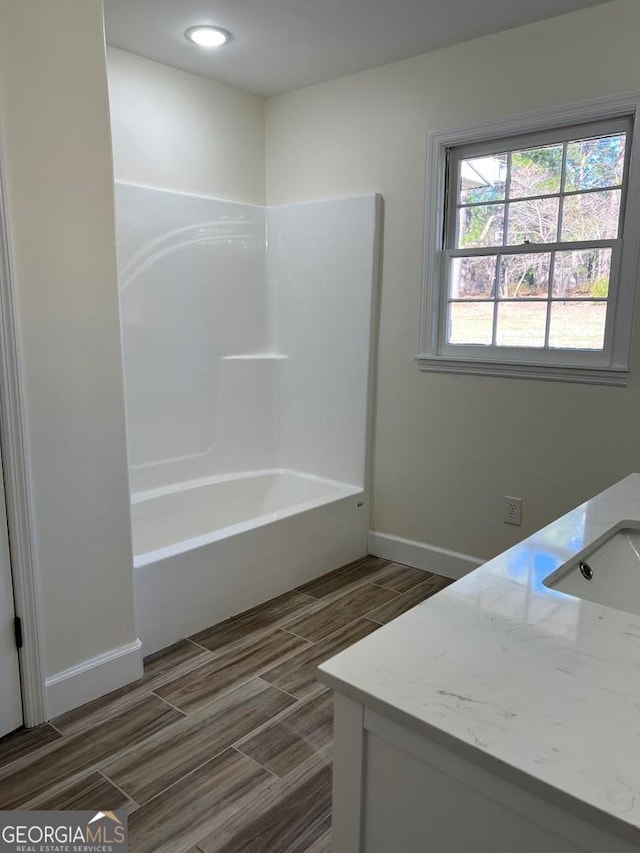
(193, 293)
(321, 264)
(247, 335)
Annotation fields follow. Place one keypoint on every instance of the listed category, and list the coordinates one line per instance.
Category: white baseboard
(451, 564)
(93, 678)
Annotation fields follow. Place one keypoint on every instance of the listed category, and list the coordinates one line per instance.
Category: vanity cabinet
(501, 715)
(395, 790)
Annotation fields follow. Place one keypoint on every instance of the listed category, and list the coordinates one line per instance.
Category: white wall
(57, 161)
(177, 131)
(447, 448)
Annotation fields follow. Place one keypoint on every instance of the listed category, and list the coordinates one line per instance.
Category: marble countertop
(529, 681)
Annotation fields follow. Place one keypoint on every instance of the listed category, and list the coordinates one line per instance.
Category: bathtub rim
(339, 491)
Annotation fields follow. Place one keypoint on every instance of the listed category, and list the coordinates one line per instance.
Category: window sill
(550, 373)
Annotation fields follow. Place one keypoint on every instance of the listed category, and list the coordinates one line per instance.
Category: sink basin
(608, 574)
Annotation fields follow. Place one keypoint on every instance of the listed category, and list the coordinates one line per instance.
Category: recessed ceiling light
(206, 36)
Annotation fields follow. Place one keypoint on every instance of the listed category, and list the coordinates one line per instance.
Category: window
(532, 245)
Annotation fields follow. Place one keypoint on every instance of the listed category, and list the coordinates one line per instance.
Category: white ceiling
(286, 44)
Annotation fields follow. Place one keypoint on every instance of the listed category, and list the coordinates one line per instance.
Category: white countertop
(528, 681)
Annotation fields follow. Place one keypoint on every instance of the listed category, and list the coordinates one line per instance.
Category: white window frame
(609, 366)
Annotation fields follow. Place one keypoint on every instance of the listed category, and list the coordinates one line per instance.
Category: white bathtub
(208, 549)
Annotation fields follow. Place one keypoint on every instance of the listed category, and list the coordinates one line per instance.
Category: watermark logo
(63, 832)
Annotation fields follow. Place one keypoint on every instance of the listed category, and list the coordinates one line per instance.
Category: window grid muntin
(496, 291)
(549, 300)
(566, 194)
(576, 133)
(552, 267)
(507, 201)
(555, 357)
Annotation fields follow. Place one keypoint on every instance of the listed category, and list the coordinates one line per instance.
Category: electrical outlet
(512, 510)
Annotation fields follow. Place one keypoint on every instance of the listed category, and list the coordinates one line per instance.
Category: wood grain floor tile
(353, 574)
(327, 616)
(168, 659)
(399, 578)
(200, 687)
(321, 844)
(179, 661)
(298, 674)
(253, 623)
(90, 792)
(407, 600)
(73, 755)
(160, 761)
(294, 738)
(235, 757)
(291, 817)
(174, 820)
(25, 741)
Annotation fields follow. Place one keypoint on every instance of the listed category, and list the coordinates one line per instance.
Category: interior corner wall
(54, 124)
(174, 130)
(447, 448)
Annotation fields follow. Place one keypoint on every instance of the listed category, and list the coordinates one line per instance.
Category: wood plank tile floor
(224, 745)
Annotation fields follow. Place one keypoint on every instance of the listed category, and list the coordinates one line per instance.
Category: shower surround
(247, 338)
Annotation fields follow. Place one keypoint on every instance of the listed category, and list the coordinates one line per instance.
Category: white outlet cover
(512, 510)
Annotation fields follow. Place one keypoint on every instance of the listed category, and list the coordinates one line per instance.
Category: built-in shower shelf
(260, 356)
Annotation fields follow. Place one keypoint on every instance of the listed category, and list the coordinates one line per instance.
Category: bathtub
(208, 549)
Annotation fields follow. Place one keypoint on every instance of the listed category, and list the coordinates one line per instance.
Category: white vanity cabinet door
(395, 790)
(415, 808)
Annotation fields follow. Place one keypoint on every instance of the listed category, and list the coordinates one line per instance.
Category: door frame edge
(17, 487)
